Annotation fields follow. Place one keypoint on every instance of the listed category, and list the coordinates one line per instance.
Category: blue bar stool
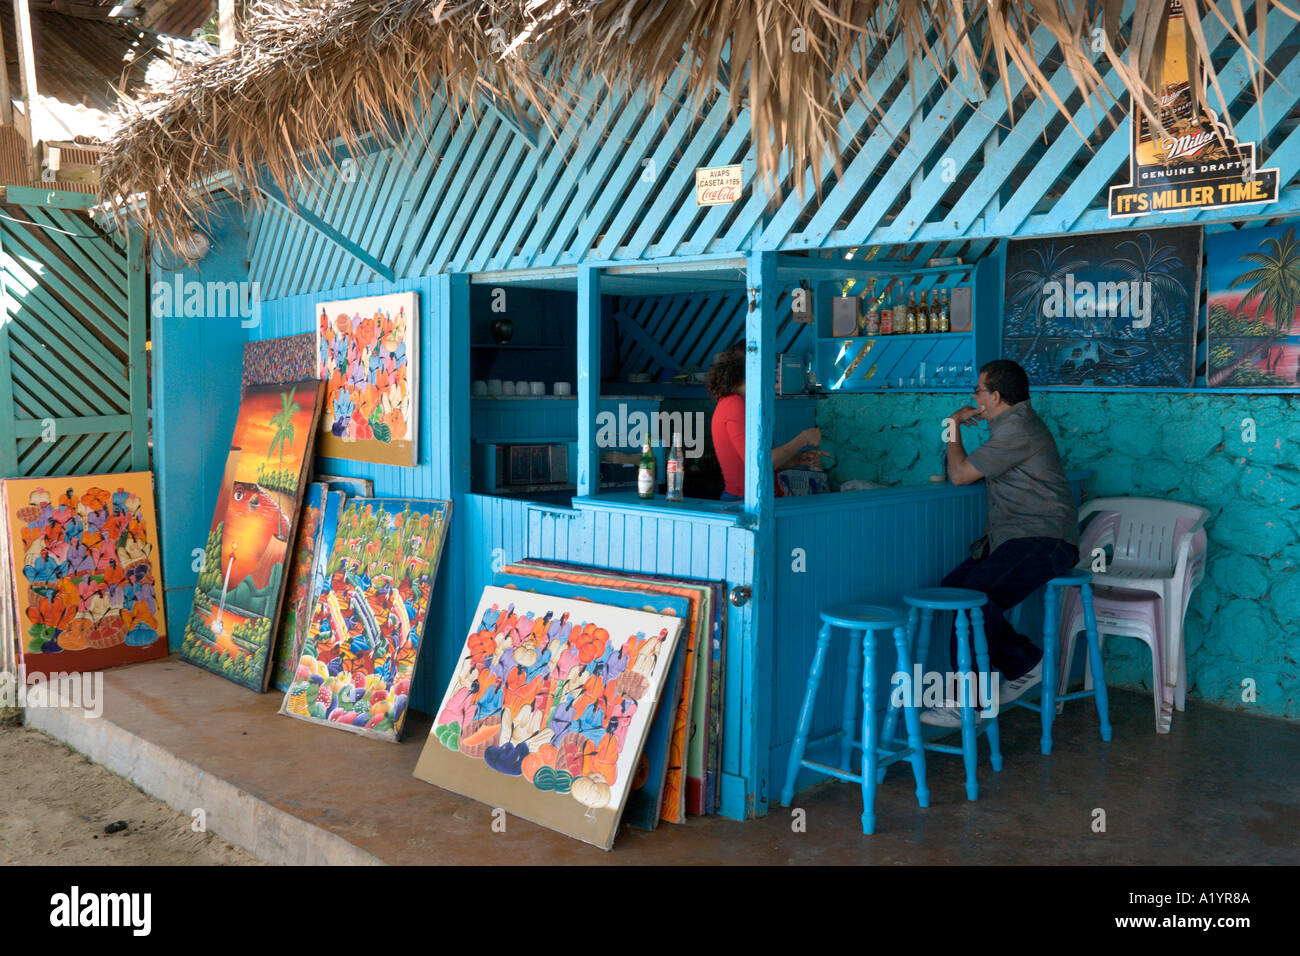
(923, 602)
(1049, 702)
(863, 622)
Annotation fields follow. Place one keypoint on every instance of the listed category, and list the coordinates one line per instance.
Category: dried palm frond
(311, 73)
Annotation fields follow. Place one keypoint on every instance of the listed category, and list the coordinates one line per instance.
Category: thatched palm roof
(308, 73)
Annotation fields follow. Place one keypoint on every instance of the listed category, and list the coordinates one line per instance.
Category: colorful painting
(548, 709)
(316, 525)
(1253, 308)
(291, 358)
(366, 352)
(241, 580)
(368, 616)
(1110, 309)
(690, 719)
(87, 579)
(646, 802)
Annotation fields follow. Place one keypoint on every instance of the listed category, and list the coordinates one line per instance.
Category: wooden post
(760, 413)
(588, 378)
(225, 24)
(137, 318)
(6, 98)
(27, 73)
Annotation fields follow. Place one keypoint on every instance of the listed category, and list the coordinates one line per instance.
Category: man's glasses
(980, 388)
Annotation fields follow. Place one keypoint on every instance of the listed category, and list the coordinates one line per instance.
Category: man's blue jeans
(1014, 570)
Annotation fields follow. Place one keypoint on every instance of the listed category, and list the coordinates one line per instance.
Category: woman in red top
(726, 385)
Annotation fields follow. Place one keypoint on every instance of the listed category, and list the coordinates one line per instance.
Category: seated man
(1032, 532)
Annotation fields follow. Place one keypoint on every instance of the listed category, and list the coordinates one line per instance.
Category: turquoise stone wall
(1243, 623)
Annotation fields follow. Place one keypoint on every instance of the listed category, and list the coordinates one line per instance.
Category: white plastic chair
(1156, 557)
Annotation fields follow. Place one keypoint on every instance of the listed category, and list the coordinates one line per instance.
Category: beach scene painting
(1253, 308)
(243, 567)
(1105, 309)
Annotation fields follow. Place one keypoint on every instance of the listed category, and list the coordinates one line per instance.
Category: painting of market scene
(368, 616)
(241, 576)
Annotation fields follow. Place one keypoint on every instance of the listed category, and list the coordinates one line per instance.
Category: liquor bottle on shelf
(887, 311)
(871, 321)
(645, 473)
(923, 315)
(934, 311)
(943, 314)
(910, 328)
(864, 313)
(676, 469)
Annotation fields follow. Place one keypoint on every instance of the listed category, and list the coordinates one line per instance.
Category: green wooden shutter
(73, 364)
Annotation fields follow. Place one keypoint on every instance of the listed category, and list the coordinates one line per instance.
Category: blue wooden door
(73, 369)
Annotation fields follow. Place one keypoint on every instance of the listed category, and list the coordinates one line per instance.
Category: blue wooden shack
(582, 227)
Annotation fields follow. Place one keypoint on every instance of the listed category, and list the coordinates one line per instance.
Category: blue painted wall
(1241, 623)
(196, 374)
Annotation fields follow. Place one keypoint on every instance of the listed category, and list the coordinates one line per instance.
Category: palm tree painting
(282, 422)
(1110, 309)
(1254, 282)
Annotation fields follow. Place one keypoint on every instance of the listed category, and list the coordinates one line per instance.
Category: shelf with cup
(940, 361)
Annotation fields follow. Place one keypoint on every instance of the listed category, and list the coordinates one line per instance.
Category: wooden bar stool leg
(1047, 698)
(870, 736)
(967, 711)
(912, 718)
(806, 715)
(851, 702)
(1094, 657)
(891, 713)
(982, 659)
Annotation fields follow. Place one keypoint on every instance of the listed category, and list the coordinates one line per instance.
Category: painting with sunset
(241, 577)
(366, 353)
(1253, 309)
(86, 575)
(368, 613)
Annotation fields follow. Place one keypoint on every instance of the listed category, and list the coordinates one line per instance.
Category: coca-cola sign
(718, 185)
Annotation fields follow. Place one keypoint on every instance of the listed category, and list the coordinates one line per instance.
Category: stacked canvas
(363, 635)
(693, 779)
(549, 709)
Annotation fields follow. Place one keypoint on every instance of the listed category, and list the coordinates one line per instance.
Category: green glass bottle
(645, 473)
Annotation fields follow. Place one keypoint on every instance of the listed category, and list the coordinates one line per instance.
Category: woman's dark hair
(1007, 379)
(727, 372)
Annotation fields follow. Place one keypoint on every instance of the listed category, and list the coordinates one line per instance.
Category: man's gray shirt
(1029, 495)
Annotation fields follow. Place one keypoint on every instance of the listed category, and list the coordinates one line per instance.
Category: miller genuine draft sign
(1196, 164)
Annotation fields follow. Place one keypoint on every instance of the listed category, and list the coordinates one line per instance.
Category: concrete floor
(1223, 788)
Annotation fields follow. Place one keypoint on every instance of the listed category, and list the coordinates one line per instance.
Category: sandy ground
(57, 803)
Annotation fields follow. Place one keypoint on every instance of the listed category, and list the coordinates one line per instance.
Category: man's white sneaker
(942, 716)
(1009, 690)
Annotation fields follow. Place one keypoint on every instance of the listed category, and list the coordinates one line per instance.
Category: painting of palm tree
(1029, 287)
(1107, 309)
(1254, 297)
(1157, 268)
(282, 422)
